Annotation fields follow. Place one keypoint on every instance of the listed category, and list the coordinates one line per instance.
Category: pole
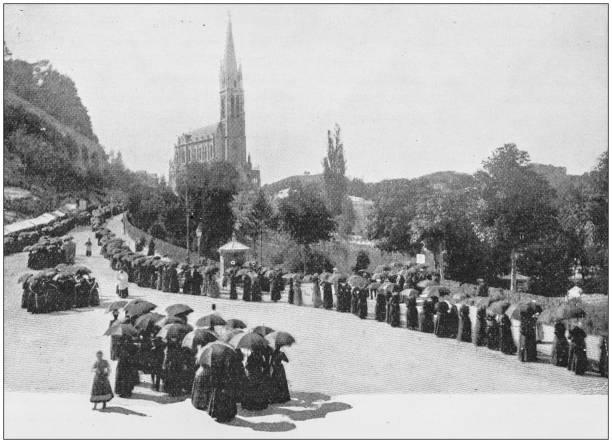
(187, 223)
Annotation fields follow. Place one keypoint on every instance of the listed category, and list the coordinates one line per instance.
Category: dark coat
(479, 334)
(506, 341)
(464, 329)
(560, 347)
(577, 361)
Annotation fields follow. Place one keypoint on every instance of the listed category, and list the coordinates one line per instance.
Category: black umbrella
(178, 309)
(217, 355)
(262, 330)
(248, 340)
(174, 331)
(234, 323)
(210, 321)
(116, 305)
(199, 337)
(121, 329)
(147, 321)
(163, 321)
(280, 338)
(138, 307)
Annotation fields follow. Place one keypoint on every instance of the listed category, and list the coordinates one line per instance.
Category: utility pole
(187, 223)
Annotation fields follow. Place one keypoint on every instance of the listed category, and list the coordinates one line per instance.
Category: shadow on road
(162, 399)
(302, 406)
(121, 410)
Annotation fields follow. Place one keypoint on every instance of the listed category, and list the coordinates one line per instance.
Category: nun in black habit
(577, 352)
(412, 314)
(506, 341)
(426, 317)
(560, 346)
(480, 327)
(464, 329)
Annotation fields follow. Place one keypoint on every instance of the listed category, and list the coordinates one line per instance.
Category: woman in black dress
(426, 317)
(291, 292)
(506, 341)
(255, 395)
(464, 330)
(362, 307)
(279, 389)
(441, 323)
(394, 310)
(328, 298)
(246, 288)
(412, 314)
(560, 346)
(480, 328)
(527, 342)
(603, 356)
(381, 306)
(492, 333)
(577, 352)
(127, 372)
(101, 391)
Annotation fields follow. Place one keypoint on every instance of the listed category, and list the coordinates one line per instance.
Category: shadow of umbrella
(122, 411)
(280, 426)
(161, 399)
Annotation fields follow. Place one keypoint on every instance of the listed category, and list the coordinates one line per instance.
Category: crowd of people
(59, 289)
(219, 363)
(17, 241)
(390, 285)
(49, 252)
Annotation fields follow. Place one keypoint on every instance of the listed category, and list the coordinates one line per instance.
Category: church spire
(229, 58)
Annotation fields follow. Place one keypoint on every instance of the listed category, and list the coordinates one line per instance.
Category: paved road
(335, 353)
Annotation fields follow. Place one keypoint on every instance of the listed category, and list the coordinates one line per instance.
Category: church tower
(232, 105)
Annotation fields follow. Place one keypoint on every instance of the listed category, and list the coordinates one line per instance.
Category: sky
(415, 88)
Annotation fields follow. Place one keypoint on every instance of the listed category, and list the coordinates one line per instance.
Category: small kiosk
(232, 251)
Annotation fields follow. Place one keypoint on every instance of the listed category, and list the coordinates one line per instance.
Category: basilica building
(224, 140)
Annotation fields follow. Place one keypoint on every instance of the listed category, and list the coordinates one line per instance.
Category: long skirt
(560, 352)
(114, 347)
(394, 315)
(441, 326)
(222, 405)
(464, 331)
(101, 390)
(506, 341)
(317, 301)
(362, 308)
(381, 308)
(426, 322)
(201, 390)
(275, 294)
(279, 389)
(291, 295)
(255, 396)
(124, 378)
(328, 298)
(298, 298)
(577, 361)
(233, 294)
(480, 333)
(412, 318)
(527, 349)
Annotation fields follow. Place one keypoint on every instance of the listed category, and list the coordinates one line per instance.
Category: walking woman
(279, 389)
(506, 341)
(88, 248)
(480, 328)
(291, 291)
(317, 301)
(297, 289)
(127, 373)
(362, 307)
(603, 356)
(412, 314)
(233, 294)
(560, 346)
(441, 323)
(256, 288)
(101, 391)
(255, 395)
(380, 310)
(394, 310)
(200, 392)
(328, 297)
(464, 330)
(426, 317)
(246, 288)
(492, 333)
(527, 342)
(577, 352)
(276, 286)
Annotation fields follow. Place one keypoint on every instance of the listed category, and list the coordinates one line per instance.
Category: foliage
(252, 213)
(304, 216)
(334, 169)
(362, 261)
(346, 220)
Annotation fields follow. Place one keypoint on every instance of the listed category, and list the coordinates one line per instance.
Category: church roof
(233, 246)
(203, 132)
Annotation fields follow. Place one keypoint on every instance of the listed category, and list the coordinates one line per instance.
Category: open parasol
(24, 277)
(138, 307)
(178, 309)
(248, 340)
(116, 305)
(216, 355)
(387, 287)
(499, 307)
(425, 283)
(357, 281)
(147, 321)
(174, 332)
(228, 334)
(198, 337)
(234, 323)
(280, 338)
(210, 321)
(169, 320)
(121, 329)
(262, 330)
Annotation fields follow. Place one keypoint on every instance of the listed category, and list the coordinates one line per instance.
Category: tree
(516, 204)
(334, 169)
(305, 217)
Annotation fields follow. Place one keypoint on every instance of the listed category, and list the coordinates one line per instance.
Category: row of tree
(504, 219)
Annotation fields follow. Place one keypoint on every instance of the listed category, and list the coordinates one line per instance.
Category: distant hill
(293, 181)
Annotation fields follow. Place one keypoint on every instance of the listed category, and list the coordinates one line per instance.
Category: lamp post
(199, 237)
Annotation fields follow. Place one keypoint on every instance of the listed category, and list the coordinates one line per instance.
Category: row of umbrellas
(562, 312)
(173, 326)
